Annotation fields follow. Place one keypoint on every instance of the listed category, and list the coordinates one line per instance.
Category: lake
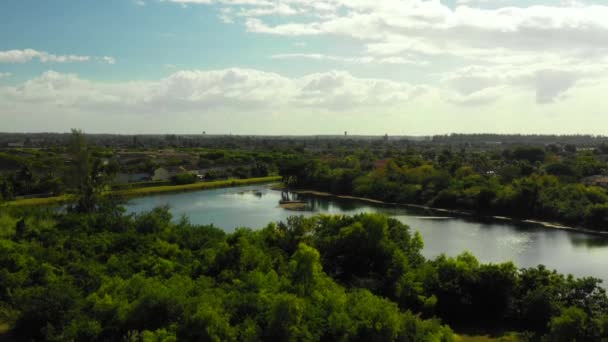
(527, 245)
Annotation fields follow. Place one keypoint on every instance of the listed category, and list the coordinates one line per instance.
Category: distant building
(16, 144)
(124, 178)
(161, 175)
(597, 180)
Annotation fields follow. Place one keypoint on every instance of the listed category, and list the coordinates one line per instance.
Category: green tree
(88, 176)
(305, 269)
(571, 325)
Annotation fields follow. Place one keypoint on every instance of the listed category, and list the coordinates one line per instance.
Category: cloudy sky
(304, 66)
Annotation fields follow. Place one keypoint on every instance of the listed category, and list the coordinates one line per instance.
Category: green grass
(196, 186)
(56, 200)
(145, 184)
(152, 190)
(507, 337)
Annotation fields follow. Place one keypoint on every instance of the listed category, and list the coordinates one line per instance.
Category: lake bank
(546, 224)
(491, 240)
(139, 192)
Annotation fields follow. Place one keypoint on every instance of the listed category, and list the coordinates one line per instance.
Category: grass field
(507, 337)
(138, 192)
(196, 186)
(56, 200)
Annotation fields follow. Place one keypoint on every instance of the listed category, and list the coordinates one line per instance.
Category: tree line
(92, 272)
(106, 275)
(524, 182)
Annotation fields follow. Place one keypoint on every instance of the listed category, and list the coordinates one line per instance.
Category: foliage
(196, 186)
(88, 175)
(105, 275)
(143, 191)
(530, 177)
(524, 182)
(184, 178)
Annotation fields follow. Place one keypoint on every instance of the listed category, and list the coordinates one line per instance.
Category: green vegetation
(146, 184)
(104, 275)
(197, 186)
(108, 276)
(525, 182)
(511, 337)
(151, 190)
(184, 178)
(41, 201)
(556, 179)
(93, 273)
(77, 164)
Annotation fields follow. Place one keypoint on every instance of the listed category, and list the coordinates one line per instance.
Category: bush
(184, 178)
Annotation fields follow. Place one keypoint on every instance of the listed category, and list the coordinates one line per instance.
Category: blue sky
(148, 40)
(303, 66)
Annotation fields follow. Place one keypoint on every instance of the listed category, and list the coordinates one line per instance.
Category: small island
(291, 204)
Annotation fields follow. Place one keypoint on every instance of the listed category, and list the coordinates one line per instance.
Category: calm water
(492, 241)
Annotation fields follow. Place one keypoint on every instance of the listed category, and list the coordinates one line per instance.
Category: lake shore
(147, 191)
(545, 224)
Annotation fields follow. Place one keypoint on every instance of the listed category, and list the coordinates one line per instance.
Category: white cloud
(190, 1)
(226, 15)
(108, 60)
(549, 82)
(546, 44)
(280, 9)
(199, 95)
(480, 97)
(5, 74)
(340, 91)
(24, 56)
(429, 27)
(242, 89)
(355, 60)
(27, 55)
(252, 101)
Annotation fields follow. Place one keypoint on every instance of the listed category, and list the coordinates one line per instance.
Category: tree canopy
(107, 275)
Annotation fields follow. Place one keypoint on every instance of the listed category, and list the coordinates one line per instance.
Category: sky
(401, 67)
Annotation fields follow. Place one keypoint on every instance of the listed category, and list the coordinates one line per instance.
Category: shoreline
(148, 191)
(545, 224)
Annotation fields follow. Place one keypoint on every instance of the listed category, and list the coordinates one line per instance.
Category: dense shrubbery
(110, 276)
(25, 182)
(184, 178)
(524, 183)
(94, 273)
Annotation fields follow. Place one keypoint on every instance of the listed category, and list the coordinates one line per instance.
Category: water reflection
(491, 240)
(581, 240)
(321, 203)
(255, 192)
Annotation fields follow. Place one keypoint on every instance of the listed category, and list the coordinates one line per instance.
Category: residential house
(596, 180)
(161, 175)
(123, 178)
(16, 144)
(164, 174)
